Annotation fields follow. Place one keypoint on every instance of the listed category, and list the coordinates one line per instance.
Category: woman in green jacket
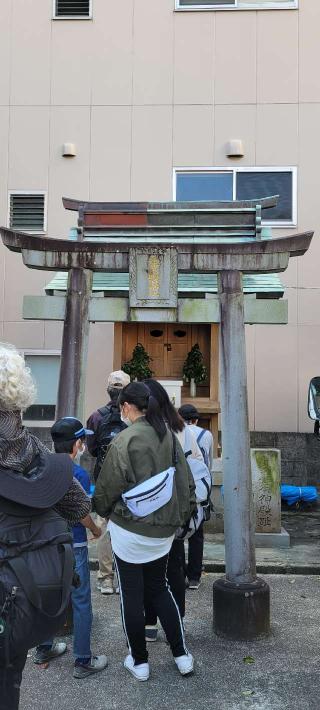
(141, 540)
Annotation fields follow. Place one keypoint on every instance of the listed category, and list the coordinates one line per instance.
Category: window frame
(72, 17)
(234, 169)
(269, 5)
(25, 352)
(45, 215)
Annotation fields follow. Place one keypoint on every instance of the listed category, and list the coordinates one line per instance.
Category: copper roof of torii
(148, 207)
(161, 222)
(208, 237)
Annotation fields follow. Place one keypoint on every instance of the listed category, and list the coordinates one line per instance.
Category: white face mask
(78, 455)
(125, 420)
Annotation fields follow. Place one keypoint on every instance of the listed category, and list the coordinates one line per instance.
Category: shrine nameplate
(153, 279)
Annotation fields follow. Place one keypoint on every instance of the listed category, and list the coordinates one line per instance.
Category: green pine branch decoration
(138, 367)
(194, 367)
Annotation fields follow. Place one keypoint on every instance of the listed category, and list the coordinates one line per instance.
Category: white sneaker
(140, 672)
(185, 664)
(105, 586)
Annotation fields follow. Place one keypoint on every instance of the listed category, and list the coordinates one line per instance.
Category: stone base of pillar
(241, 611)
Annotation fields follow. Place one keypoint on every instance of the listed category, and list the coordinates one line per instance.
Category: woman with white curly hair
(32, 482)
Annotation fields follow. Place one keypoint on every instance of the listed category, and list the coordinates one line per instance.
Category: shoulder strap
(202, 433)
(104, 410)
(187, 442)
(174, 450)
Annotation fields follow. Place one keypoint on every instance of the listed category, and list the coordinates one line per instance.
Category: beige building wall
(141, 89)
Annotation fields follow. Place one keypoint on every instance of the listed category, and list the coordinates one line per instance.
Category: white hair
(17, 388)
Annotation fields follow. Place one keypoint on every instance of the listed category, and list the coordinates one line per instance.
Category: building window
(242, 184)
(206, 3)
(27, 211)
(236, 4)
(45, 368)
(72, 9)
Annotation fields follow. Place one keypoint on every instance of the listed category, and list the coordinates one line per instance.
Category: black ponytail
(138, 394)
(169, 413)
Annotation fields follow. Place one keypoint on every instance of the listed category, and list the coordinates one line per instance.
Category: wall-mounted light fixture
(69, 150)
(235, 148)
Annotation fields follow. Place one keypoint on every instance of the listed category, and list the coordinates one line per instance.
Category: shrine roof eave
(190, 285)
(267, 255)
(127, 207)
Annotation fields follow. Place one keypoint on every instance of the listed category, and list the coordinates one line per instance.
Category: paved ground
(285, 674)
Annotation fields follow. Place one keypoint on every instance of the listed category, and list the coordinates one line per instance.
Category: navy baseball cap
(188, 411)
(69, 429)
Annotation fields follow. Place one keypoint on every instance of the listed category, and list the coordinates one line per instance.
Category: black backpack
(36, 571)
(109, 426)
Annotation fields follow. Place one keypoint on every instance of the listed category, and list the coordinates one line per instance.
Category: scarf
(18, 447)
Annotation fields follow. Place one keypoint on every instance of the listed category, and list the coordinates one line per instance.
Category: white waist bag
(150, 495)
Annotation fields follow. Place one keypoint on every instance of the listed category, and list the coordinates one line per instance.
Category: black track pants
(195, 555)
(140, 581)
(176, 581)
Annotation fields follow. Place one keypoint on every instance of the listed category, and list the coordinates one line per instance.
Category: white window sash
(249, 169)
(25, 352)
(240, 5)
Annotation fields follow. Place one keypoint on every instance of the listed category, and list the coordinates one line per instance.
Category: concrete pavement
(285, 673)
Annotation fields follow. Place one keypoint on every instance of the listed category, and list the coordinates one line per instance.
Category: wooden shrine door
(168, 345)
(179, 342)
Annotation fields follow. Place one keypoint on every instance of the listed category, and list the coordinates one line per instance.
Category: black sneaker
(194, 583)
(44, 654)
(151, 633)
(96, 664)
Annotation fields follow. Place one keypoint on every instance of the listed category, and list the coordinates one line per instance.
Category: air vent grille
(72, 8)
(27, 212)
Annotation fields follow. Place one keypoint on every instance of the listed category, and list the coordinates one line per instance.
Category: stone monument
(266, 481)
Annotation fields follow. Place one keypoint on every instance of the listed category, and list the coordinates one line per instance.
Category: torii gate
(155, 241)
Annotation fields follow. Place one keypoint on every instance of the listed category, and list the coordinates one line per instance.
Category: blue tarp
(296, 494)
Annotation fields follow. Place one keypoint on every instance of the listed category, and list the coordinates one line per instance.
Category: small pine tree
(138, 367)
(194, 368)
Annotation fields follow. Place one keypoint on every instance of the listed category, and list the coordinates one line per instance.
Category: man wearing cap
(204, 439)
(106, 423)
(69, 435)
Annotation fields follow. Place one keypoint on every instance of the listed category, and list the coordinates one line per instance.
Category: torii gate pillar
(241, 601)
(75, 339)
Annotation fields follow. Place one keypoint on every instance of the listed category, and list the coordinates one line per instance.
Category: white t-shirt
(137, 549)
